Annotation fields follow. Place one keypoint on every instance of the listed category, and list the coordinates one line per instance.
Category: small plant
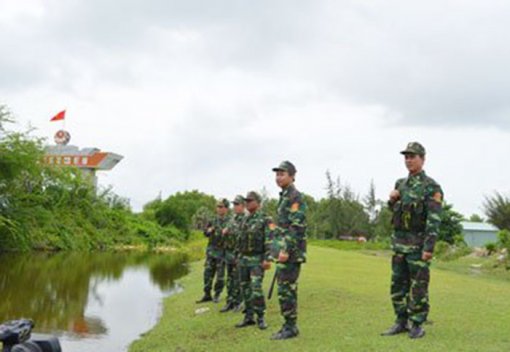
(491, 247)
(504, 239)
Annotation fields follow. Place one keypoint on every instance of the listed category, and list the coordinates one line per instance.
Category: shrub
(504, 239)
(491, 247)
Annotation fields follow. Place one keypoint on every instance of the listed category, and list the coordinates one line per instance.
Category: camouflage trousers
(288, 274)
(214, 266)
(233, 279)
(252, 276)
(409, 287)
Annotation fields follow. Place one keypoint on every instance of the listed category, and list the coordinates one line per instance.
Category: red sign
(86, 161)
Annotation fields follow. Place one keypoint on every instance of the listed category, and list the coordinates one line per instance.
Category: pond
(91, 301)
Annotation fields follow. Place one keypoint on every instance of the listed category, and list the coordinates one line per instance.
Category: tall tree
(450, 229)
(371, 203)
(497, 210)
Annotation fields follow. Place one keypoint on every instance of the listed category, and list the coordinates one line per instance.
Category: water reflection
(88, 296)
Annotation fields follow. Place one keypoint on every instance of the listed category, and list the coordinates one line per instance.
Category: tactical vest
(233, 233)
(253, 234)
(216, 239)
(410, 212)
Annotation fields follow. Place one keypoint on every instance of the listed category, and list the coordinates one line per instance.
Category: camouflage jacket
(291, 225)
(417, 214)
(216, 245)
(256, 235)
(233, 232)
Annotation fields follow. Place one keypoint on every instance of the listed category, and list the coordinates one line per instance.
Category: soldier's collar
(420, 174)
(288, 189)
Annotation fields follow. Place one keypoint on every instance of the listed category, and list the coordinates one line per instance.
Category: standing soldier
(291, 244)
(231, 236)
(215, 255)
(254, 242)
(416, 203)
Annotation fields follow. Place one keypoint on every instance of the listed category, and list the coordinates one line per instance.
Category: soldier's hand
(426, 256)
(266, 265)
(224, 232)
(283, 257)
(394, 195)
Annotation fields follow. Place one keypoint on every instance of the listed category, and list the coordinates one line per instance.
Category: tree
(178, 209)
(341, 213)
(202, 218)
(476, 218)
(5, 117)
(371, 203)
(450, 229)
(382, 226)
(497, 210)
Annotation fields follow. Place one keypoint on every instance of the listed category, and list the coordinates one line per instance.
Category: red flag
(60, 116)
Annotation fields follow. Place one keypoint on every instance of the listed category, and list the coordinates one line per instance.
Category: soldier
(215, 255)
(254, 244)
(416, 203)
(291, 247)
(231, 236)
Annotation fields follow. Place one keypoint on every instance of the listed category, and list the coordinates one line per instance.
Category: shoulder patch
(272, 226)
(294, 207)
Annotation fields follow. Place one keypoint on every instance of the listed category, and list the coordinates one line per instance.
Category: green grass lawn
(344, 304)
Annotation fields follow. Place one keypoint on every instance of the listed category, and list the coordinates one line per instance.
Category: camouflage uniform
(416, 220)
(254, 243)
(231, 259)
(290, 238)
(215, 256)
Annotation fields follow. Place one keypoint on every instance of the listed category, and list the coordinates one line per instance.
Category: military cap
(224, 202)
(286, 166)
(414, 148)
(239, 199)
(253, 196)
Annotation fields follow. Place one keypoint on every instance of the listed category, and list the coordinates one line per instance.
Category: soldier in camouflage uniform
(416, 203)
(290, 239)
(254, 245)
(215, 255)
(231, 237)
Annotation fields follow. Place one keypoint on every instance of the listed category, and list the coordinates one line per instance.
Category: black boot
(247, 321)
(286, 333)
(261, 323)
(399, 328)
(226, 308)
(416, 332)
(206, 298)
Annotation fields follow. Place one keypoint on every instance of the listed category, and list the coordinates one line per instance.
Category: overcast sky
(211, 95)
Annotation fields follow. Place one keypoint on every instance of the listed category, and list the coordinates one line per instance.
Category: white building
(478, 234)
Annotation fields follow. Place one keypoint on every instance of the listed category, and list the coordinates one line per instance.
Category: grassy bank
(344, 305)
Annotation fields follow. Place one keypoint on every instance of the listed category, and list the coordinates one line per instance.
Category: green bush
(448, 252)
(441, 248)
(491, 247)
(504, 239)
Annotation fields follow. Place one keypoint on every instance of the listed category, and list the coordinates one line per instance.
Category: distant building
(478, 234)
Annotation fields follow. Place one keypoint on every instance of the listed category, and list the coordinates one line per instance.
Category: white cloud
(205, 96)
